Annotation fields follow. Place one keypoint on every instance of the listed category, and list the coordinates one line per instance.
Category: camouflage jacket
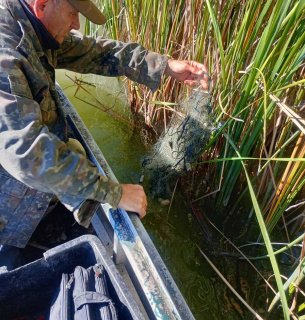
(36, 162)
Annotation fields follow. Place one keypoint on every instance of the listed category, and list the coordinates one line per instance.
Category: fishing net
(179, 147)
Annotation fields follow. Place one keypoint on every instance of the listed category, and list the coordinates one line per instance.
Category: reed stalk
(255, 51)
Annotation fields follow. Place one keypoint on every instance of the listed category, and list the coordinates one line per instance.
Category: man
(38, 161)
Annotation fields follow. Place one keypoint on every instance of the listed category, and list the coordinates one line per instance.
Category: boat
(122, 237)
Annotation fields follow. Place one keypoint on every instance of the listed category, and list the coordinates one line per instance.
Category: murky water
(124, 146)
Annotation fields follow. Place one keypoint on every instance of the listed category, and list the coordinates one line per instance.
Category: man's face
(59, 18)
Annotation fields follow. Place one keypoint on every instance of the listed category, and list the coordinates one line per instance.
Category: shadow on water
(124, 147)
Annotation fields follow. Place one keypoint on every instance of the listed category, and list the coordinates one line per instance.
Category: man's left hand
(192, 73)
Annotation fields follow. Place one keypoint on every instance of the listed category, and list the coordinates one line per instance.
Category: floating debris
(163, 202)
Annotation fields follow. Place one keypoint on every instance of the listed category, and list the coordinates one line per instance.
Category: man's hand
(190, 72)
(133, 199)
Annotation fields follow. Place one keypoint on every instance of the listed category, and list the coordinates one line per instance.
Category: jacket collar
(46, 40)
(18, 12)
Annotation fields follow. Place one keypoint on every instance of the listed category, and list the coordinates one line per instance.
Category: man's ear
(39, 7)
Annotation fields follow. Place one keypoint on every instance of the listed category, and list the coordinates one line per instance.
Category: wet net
(180, 146)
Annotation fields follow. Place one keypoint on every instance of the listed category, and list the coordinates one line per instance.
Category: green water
(124, 146)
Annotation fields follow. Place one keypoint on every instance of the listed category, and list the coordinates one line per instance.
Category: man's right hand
(133, 199)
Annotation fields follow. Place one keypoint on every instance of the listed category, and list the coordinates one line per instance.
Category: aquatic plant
(255, 52)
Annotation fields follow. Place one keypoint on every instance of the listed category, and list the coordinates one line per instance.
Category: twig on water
(171, 200)
(229, 285)
(102, 108)
(245, 257)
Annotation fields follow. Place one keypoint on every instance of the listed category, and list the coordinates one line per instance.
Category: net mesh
(179, 147)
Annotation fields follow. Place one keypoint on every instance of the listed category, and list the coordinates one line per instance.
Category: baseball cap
(88, 9)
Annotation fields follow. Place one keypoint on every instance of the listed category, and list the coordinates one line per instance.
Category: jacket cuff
(152, 71)
(109, 191)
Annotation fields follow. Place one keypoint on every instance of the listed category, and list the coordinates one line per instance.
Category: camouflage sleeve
(36, 156)
(111, 58)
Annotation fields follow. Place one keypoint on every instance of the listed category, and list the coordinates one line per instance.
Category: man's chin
(60, 39)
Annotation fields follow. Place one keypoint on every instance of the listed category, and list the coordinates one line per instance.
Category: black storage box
(29, 289)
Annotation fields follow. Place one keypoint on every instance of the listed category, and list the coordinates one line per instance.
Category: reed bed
(255, 51)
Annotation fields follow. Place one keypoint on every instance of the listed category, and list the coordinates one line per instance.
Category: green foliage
(265, 234)
(290, 285)
(255, 52)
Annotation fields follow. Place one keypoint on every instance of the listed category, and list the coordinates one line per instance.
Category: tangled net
(178, 148)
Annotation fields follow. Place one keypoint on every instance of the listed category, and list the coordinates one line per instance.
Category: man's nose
(75, 22)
